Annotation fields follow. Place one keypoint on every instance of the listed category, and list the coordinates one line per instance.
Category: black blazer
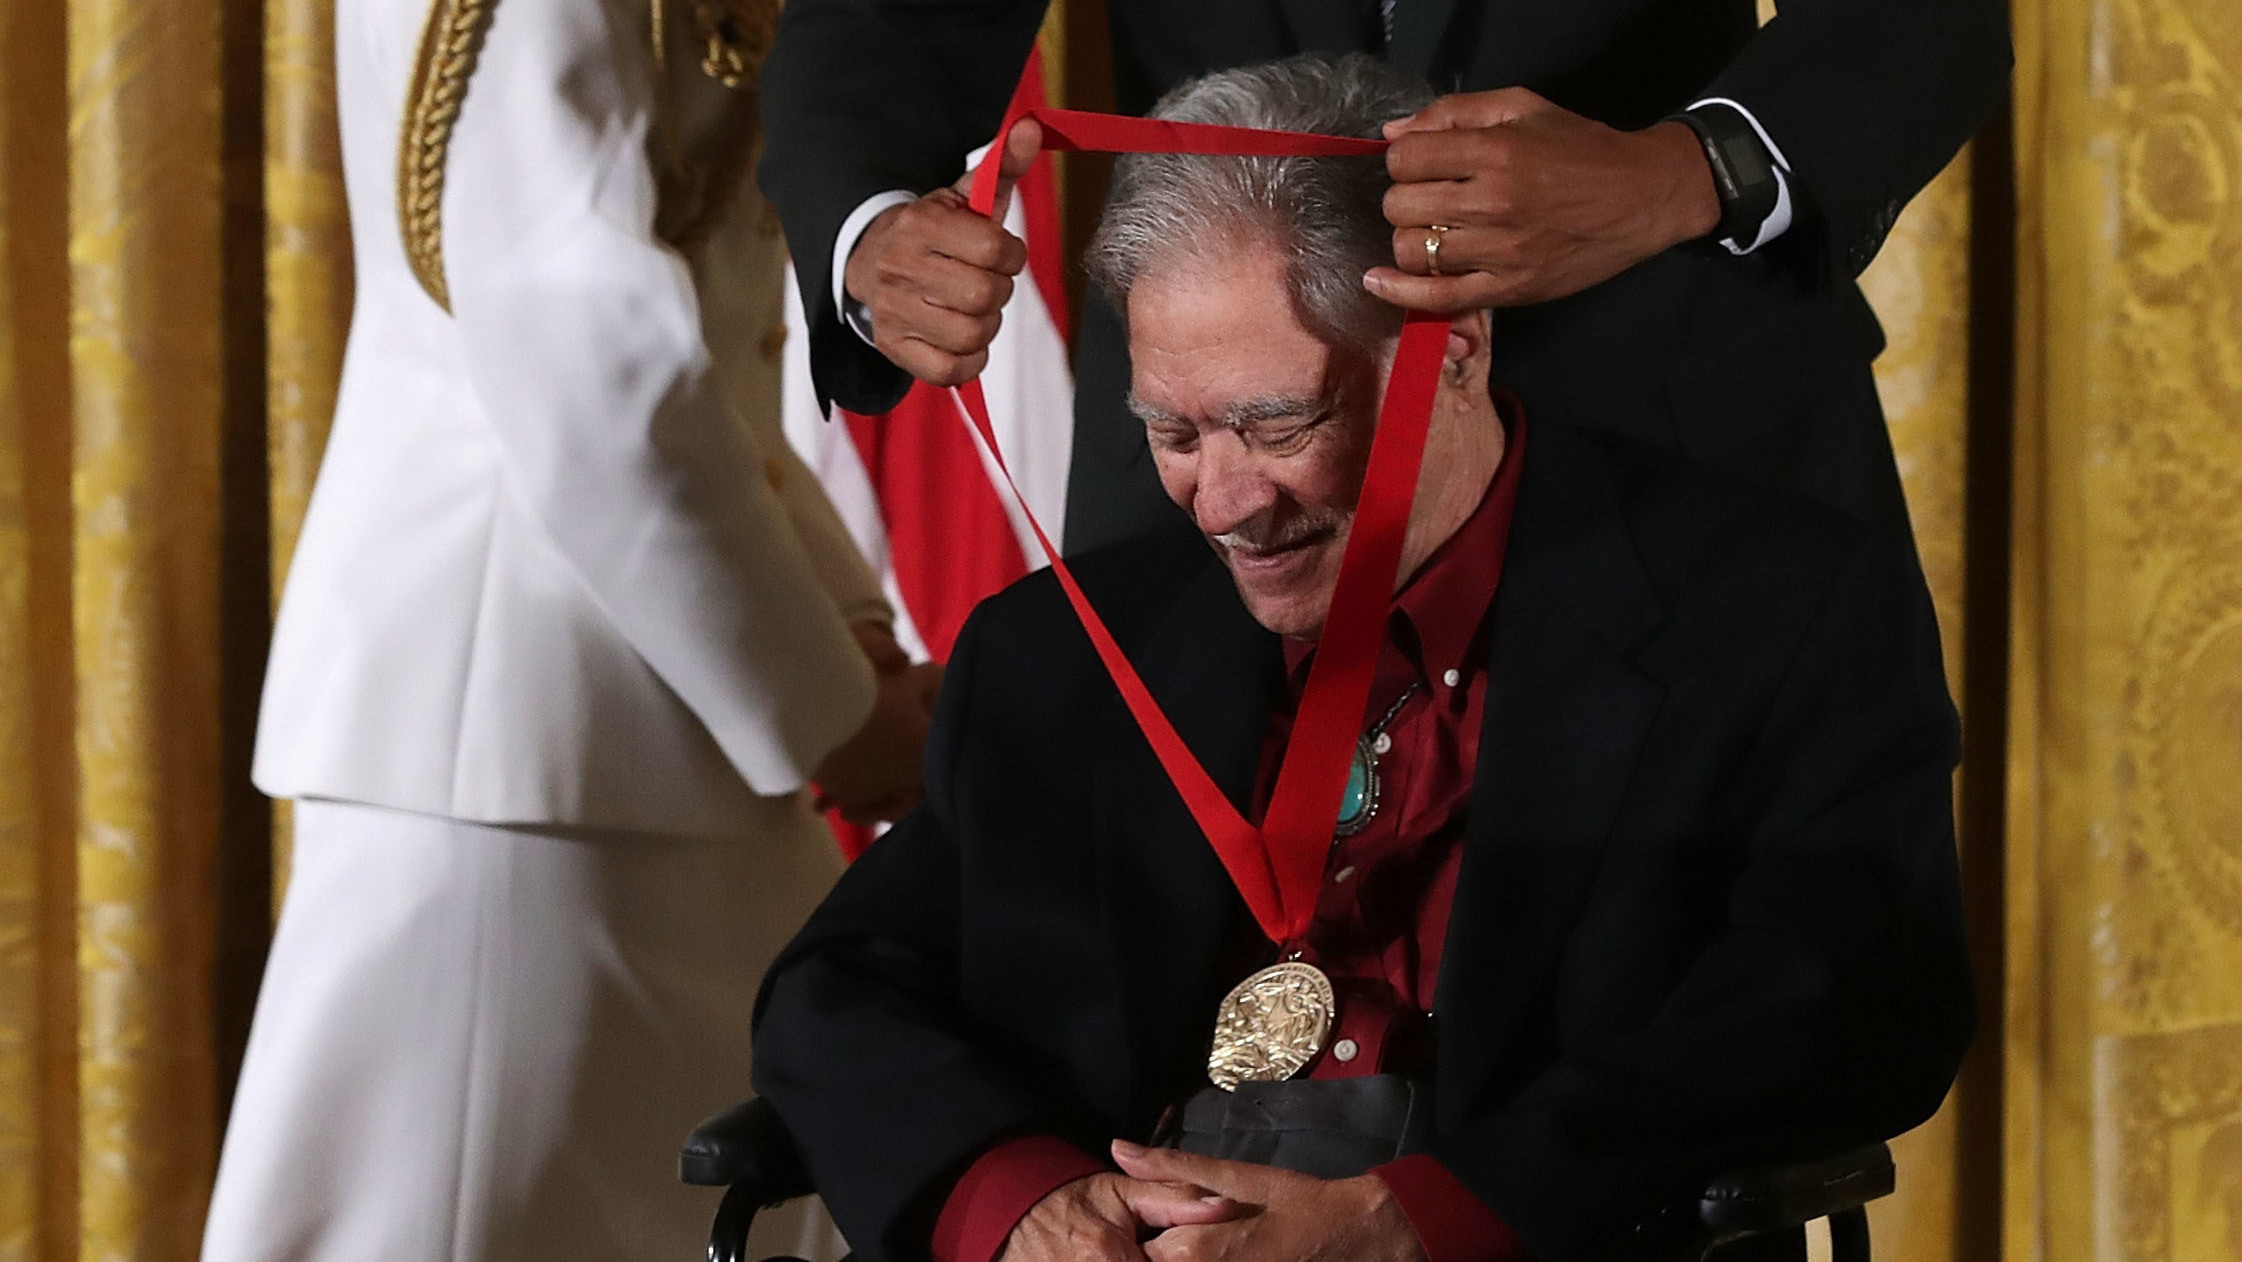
(1708, 910)
(1758, 362)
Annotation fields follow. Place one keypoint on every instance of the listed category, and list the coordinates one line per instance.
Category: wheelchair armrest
(1789, 1194)
(748, 1148)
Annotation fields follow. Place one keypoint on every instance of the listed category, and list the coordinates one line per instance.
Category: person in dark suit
(1651, 807)
(1665, 176)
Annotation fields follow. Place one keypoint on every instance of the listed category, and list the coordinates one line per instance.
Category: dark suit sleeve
(863, 96)
(1831, 1005)
(858, 1024)
(1869, 100)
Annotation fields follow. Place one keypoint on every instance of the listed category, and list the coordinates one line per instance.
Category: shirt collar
(1440, 610)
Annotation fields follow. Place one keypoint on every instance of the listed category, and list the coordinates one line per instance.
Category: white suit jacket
(560, 565)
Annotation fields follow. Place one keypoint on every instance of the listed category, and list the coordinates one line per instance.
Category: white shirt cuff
(844, 244)
(1778, 220)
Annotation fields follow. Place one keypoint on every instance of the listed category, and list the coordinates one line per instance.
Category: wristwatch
(1743, 170)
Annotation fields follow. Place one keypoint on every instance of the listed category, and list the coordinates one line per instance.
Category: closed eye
(1175, 436)
(1283, 437)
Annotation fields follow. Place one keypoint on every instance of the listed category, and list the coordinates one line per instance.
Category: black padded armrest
(746, 1146)
(1771, 1198)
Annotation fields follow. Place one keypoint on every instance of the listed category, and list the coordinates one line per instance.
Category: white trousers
(479, 1044)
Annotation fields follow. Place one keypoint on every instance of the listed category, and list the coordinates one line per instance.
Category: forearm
(997, 1191)
(1620, 1131)
(1869, 102)
(860, 1038)
(1827, 1000)
(860, 1044)
(889, 1100)
(1451, 1223)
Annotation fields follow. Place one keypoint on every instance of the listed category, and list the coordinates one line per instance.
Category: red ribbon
(1278, 867)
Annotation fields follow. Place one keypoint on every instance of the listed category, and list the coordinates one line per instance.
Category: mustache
(1267, 537)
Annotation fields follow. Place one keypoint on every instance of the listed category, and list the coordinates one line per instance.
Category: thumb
(1021, 145)
(1164, 1205)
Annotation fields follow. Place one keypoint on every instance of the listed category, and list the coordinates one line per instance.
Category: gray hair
(1325, 213)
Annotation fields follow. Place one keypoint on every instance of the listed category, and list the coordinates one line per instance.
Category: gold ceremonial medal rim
(1246, 1049)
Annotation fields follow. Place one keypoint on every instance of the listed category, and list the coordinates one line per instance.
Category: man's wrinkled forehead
(1216, 342)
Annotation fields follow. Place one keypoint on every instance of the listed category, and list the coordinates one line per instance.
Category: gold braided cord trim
(449, 44)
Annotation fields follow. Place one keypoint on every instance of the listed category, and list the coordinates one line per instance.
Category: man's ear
(1469, 337)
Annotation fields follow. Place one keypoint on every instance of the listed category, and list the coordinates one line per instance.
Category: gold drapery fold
(38, 975)
(2124, 1006)
(129, 331)
(146, 370)
(308, 279)
(307, 243)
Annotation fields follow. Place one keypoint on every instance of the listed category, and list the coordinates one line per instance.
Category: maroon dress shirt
(1388, 890)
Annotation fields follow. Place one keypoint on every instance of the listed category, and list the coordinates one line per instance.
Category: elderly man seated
(1645, 869)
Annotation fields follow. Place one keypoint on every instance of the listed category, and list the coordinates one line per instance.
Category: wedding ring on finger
(1433, 236)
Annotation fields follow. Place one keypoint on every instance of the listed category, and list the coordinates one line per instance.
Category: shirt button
(1345, 1050)
(1342, 876)
(1452, 678)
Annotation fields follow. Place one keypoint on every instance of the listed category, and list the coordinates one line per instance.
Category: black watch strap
(1743, 169)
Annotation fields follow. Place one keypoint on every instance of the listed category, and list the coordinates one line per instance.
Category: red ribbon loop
(1278, 867)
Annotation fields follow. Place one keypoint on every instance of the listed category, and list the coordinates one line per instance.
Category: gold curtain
(307, 277)
(2065, 391)
(2123, 1127)
(38, 979)
(134, 889)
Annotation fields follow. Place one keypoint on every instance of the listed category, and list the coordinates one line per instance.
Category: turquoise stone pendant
(1360, 801)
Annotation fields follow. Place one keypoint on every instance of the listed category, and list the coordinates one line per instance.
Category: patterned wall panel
(146, 361)
(307, 256)
(309, 283)
(38, 963)
(2128, 927)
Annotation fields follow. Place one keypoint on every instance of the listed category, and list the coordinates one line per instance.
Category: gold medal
(1271, 1025)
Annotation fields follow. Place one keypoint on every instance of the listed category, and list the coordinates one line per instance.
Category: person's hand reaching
(934, 276)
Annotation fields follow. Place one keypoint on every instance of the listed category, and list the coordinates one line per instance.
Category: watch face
(1743, 170)
(1747, 160)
